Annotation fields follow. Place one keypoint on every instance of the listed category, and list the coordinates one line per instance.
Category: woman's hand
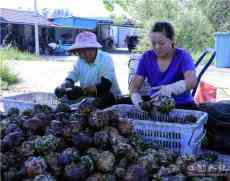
(164, 90)
(135, 86)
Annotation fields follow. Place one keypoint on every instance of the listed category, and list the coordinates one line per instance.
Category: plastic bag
(205, 93)
(218, 125)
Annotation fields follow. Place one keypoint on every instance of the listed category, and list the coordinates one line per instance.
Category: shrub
(7, 77)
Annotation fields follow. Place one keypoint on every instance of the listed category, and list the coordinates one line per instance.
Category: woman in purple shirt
(169, 70)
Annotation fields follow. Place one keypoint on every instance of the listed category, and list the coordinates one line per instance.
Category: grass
(7, 77)
(10, 53)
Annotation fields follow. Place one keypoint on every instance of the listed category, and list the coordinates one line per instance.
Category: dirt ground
(49, 72)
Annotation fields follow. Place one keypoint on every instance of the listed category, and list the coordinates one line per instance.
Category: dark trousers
(106, 100)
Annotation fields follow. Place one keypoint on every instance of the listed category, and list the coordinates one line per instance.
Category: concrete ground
(46, 74)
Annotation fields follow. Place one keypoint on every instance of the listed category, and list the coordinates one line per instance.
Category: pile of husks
(43, 144)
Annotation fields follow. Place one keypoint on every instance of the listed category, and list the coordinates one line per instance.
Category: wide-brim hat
(85, 39)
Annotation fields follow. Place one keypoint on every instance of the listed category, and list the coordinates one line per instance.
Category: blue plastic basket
(28, 100)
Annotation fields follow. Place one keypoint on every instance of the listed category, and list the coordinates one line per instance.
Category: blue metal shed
(80, 23)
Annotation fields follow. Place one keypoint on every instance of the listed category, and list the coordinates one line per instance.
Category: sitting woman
(170, 71)
(94, 70)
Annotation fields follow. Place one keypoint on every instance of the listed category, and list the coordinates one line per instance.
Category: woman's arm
(136, 83)
(99, 89)
(74, 74)
(190, 79)
(178, 87)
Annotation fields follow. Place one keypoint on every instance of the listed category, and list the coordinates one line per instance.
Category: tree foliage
(217, 12)
(195, 21)
(109, 4)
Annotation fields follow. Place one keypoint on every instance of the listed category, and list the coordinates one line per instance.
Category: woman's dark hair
(164, 27)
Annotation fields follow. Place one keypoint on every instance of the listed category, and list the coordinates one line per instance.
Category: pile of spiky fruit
(163, 104)
(42, 144)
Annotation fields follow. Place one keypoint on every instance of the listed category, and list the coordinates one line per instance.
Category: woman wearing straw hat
(94, 70)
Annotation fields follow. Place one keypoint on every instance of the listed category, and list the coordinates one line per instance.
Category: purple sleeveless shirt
(181, 62)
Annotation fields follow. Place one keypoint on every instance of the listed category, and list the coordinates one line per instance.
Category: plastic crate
(178, 137)
(28, 100)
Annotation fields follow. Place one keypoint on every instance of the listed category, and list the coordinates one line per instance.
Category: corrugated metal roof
(98, 19)
(2, 20)
(23, 17)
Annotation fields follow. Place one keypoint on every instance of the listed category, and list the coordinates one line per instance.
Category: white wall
(119, 34)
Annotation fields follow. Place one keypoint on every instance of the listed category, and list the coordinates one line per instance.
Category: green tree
(195, 21)
(149, 11)
(109, 4)
(217, 12)
(194, 31)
